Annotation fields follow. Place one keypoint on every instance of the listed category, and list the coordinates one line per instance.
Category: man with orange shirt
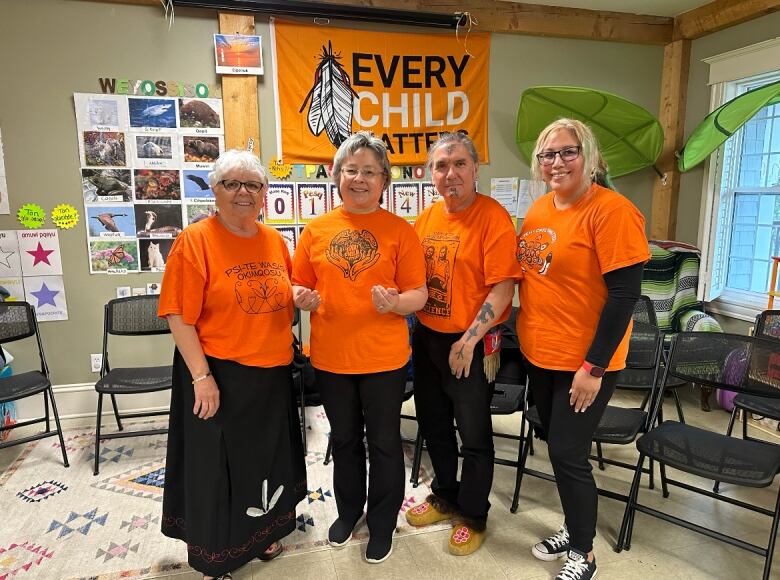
(469, 243)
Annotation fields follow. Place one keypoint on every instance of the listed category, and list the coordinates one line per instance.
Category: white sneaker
(553, 547)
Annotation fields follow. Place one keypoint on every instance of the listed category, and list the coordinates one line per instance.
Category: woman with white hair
(235, 467)
(582, 248)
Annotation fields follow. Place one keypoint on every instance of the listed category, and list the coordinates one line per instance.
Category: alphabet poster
(144, 174)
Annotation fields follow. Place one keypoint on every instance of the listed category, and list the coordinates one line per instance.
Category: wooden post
(674, 90)
(239, 92)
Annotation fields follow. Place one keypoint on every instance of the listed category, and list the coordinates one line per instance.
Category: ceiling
(651, 8)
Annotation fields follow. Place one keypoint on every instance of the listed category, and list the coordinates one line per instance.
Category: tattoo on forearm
(486, 313)
(472, 332)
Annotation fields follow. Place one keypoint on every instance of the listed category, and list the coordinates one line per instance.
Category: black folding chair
(17, 322)
(702, 357)
(618, 425)
(640, 378)
(767, 326)
(131, 316)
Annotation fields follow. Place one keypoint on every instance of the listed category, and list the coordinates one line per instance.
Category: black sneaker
(340, 531)
(379, 550)
(577, 567)
(553, 547)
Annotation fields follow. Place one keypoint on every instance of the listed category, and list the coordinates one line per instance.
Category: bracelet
(201, 378)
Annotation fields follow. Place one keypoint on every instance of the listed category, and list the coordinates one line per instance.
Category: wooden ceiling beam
(720, 14)
(540, 20)
(528, 19)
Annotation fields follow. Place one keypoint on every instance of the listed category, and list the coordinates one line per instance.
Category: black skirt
(232, 482)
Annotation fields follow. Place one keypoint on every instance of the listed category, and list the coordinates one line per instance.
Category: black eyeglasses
(567, 154)
(233, 185)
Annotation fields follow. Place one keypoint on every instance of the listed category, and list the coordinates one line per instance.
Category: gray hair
(455, 138)
(594, 167)
(234, 159)
(361, 140)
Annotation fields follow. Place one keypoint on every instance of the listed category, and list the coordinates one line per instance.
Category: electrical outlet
(95, 362)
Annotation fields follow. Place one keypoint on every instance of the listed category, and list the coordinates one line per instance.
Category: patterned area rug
(69, 524)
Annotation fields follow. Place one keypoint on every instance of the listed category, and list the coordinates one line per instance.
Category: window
(740, 226)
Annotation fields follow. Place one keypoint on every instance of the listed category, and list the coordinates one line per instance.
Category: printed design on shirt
(353, 251)
(440, 250)
(260, 287)
(534, 250)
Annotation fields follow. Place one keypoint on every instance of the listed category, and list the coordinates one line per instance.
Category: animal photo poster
(144, 174)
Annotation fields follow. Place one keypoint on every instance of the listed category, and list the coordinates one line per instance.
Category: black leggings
(569, 437)
(373, 401)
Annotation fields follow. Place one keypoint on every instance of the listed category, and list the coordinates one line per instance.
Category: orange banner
(405, 88)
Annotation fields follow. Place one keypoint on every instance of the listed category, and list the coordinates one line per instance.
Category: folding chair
(701, 357)
(767, 326)
(132, 316)
(17, 321)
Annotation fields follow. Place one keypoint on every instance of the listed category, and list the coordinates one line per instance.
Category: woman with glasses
(235, 468)
(360, 270)
(582, 248)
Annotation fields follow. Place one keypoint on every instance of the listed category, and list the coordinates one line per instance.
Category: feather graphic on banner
(331, 99)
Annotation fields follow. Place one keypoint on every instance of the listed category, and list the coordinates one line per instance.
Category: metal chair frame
(109, 329)
(754, 344)
(17, 332)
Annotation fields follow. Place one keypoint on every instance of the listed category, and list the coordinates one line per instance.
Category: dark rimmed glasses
(567, 154)
(233, 185)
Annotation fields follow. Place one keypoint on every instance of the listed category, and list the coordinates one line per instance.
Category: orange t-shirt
(342, 255)
(564, 254)
(235, 291)
(466, 253)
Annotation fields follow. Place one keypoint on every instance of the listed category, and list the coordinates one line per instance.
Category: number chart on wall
(144, 174)
(288, 207)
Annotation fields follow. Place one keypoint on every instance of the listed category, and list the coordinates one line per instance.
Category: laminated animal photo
(106, 185)
(152, 112)
(153, 147)
(154, 254)
(199, 149)
(157, 221)
(110, 221)
(104, 149)
(152, 184)
(200, 113)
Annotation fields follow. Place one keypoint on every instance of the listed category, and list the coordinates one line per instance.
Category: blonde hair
(594, 167)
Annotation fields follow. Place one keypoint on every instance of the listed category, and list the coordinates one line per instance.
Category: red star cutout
(40, 255)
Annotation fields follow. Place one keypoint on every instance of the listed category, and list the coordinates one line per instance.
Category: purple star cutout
(40, 255)
(45, 296)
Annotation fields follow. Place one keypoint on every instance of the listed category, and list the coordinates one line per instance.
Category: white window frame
(727, 72)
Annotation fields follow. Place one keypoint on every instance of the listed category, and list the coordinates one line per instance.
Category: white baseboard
(79, 400)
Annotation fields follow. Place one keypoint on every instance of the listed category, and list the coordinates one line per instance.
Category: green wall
(53, 48)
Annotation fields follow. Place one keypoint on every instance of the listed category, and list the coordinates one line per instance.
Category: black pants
(439, 399)
(371, 401)
(569, 437)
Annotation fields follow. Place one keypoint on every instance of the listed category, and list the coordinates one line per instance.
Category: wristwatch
(593, 370)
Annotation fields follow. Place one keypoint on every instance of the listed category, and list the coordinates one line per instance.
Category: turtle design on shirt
(353, 251)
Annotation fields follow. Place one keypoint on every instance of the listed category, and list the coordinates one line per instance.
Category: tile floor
(659, 550)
